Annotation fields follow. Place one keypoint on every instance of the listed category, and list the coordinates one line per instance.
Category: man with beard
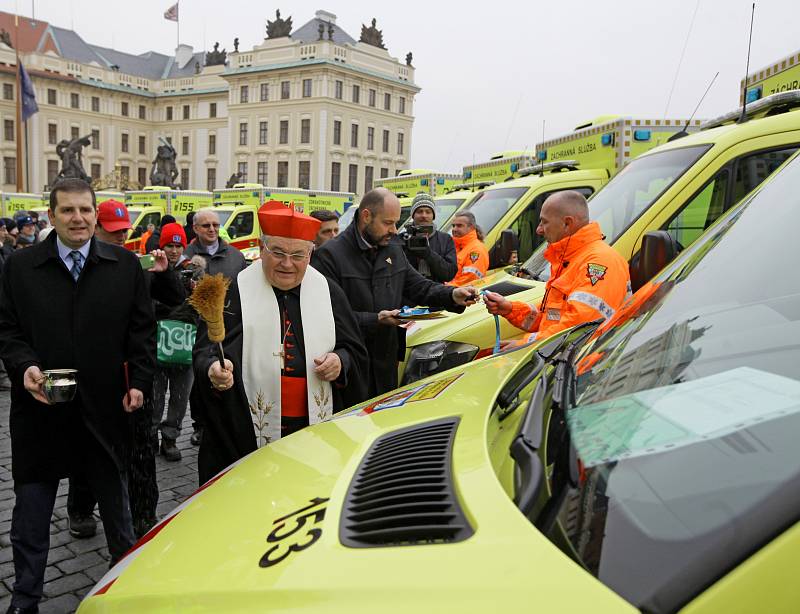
(375, 275)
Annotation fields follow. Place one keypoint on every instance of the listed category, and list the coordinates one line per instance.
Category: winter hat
(423, 200)
(172, 233)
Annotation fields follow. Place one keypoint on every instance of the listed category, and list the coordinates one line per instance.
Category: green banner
(175, 342)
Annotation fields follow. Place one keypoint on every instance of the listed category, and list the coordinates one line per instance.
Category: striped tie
(77, 264)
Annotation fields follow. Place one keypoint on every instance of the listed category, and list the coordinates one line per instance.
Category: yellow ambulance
(679, 188)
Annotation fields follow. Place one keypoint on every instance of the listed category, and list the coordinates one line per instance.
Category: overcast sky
(490, 72)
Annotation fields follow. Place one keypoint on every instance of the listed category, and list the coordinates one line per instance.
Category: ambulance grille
(402, 493)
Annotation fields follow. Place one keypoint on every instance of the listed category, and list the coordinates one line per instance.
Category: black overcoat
(376, 280)
(94, 326)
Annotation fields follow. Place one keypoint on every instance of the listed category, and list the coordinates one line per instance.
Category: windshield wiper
(525, 452)
(525, 447)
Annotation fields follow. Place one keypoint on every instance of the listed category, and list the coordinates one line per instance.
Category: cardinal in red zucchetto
(293, 351)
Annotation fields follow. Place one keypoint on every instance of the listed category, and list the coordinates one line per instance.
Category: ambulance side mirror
(659, 248)
(503, 249)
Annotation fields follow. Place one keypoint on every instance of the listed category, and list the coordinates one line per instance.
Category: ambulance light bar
(470, 186)
(549, 166)
(789, 100)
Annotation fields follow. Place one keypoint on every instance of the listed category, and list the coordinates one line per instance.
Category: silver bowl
(60, 385)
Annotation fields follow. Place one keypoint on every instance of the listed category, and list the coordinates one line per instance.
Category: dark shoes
(12, 609)
(142, 526)
(197, 436)
(82, 526)
(169, 450)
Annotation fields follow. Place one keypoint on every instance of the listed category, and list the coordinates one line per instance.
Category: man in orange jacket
(588, 279)
(471, 253)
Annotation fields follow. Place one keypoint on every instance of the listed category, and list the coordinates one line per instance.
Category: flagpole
(178, 21)
(19, 106)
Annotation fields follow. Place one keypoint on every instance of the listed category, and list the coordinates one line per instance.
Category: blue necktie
(77, 264)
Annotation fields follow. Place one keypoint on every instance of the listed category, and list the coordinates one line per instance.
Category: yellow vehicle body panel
(304, 201)
(13, 202)
(500, 167)
(206, 559)
(613, 143)
(780, 76)
(434, 183)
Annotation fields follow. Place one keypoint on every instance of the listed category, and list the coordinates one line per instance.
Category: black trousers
(33, 509)
(142, 484)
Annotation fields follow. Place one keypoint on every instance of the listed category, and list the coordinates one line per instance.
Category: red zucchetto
(278, 220)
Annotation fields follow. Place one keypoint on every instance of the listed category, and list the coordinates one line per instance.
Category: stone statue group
(164, 171)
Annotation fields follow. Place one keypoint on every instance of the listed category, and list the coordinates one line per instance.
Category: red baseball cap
(278, 220)
(113, 216)
(172, 233)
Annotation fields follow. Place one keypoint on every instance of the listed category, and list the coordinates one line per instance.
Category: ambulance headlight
(435, 357)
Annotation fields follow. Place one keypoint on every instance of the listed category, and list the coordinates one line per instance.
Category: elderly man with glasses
(293, 350)
(219, 256)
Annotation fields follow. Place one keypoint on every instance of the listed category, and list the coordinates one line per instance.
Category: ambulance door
(726, 188)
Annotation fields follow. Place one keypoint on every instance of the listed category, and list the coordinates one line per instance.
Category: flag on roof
(172, 13)
(29, 106)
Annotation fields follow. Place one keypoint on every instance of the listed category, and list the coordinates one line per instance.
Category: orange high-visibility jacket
(588, 280)
(472, 257)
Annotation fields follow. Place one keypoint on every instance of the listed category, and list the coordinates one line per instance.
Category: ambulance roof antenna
(682, 133)
(743, 117)
(541, 172)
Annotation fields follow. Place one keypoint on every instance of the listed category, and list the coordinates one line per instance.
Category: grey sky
(491, 72)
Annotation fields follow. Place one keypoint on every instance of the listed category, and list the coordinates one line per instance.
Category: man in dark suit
(72, 302)
(375, 275)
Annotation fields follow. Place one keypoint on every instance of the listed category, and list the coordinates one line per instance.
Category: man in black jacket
(375, 275)
(431, 253)
(96, 317)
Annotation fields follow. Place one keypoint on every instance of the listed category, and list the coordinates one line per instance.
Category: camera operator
(431, 252)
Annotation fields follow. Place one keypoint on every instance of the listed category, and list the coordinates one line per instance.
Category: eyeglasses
(294, 256)
(209, 225)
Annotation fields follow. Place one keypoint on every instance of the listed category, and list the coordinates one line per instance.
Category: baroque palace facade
(309, 107)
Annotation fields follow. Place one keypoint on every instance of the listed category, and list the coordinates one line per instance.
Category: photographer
(431, 252)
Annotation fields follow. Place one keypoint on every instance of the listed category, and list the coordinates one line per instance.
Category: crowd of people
(309, 329)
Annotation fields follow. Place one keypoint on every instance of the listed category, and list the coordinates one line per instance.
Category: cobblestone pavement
(74, 565)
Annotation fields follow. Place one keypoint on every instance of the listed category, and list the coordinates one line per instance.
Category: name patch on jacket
(554, 314)
(595, 272)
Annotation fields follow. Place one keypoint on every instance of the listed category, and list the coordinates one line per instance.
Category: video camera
(416, 238)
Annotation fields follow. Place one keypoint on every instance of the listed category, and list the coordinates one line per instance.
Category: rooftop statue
(372, 36)
(5, 37)
(409, 57)
(236, 45)
(216, 57)
(279, 27)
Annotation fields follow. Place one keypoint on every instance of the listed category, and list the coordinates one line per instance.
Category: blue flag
(29, 106)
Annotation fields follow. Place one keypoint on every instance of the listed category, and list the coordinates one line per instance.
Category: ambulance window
(700, 212)
(753, 169)
(242, 225)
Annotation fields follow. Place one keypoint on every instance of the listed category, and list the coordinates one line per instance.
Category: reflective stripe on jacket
(588, 280)
(473, 259)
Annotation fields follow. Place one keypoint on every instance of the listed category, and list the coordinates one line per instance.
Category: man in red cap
(294, 353)
(113, 222)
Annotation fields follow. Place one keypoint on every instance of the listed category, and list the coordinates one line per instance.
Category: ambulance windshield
(629, 194)
(490, 206)
(687, 412)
